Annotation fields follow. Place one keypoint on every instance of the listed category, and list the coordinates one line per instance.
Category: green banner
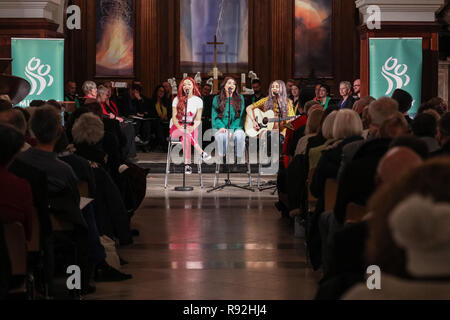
(396, 63)
(41, 63)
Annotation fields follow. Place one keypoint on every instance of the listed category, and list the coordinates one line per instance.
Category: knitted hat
(422, 228)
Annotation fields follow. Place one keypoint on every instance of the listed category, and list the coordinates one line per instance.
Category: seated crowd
(78, 184)
(354, 173)
(369, 186)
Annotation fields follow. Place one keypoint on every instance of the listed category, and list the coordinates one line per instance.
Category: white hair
(382, 109)
(88, 86)
(328, 124)
(88, 128)
(347, 124)
(347, 84)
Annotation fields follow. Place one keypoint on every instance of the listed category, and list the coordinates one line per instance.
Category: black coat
(327, 168)
(358, 178)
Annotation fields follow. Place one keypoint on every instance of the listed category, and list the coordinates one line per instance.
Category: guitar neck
(281, 119)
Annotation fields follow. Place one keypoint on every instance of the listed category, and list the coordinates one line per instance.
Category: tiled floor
(225, 245)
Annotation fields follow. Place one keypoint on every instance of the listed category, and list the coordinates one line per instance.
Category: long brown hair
(235, 100)
(182, 98)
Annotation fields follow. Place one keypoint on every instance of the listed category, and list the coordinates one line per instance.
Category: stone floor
(225, 245)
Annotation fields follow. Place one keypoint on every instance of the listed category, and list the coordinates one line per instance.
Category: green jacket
(219, 123)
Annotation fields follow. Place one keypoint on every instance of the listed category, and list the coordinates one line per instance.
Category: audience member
(437, 104)
(443, 135)
(16, 201)
(257, 93)
(379, 111)
(344, 256)
(70, 93)
(289, 84)
(345, 90)
(161, 111)
(394, 127)
(324, 96)
(357, 89)
(405, 101)
(412, 255)
(424, 126)
(90, 92)
(295, 97)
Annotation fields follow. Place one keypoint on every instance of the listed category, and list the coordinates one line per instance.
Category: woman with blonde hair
(311, 130)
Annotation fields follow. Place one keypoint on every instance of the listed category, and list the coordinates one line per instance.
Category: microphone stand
(272, 184)
(184, 188)
(227, 180)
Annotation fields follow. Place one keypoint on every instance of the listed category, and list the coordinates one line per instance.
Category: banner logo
(39, 76)
(395, 75)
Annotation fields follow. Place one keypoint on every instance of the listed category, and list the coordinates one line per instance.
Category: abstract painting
(313, 50)
(115, 38)
(200, 20)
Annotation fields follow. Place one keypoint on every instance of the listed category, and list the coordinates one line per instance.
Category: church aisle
(228, 245)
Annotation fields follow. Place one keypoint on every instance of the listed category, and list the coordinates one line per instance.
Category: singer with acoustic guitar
(188, 98)
(264, 114)
(228, 116)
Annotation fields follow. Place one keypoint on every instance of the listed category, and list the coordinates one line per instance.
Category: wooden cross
(215, 43)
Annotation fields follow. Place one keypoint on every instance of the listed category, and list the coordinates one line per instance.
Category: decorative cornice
(402, 10)
(28, 9)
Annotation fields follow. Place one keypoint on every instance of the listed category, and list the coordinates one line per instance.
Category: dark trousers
(129, 150)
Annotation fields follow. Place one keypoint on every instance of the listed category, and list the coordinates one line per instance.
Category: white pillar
(53, 10)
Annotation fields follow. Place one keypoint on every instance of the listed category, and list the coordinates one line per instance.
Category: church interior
(236, 150)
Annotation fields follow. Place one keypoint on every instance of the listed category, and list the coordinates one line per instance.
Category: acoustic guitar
(266, 121)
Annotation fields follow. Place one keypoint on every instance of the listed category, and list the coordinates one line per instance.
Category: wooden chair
(83, 188)
(331, 188)
(354, 213)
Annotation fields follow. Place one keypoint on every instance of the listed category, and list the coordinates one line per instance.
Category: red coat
(297, 123)
(16, 201)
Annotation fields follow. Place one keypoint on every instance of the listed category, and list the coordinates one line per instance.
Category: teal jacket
(219, 123)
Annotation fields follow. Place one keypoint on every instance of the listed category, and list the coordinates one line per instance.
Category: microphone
(230, 91)
(276, 94)
(187, 92)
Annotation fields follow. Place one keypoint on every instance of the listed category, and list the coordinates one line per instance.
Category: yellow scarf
(162, 111)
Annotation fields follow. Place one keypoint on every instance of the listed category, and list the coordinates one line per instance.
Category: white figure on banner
(392, 71)
(37, 72)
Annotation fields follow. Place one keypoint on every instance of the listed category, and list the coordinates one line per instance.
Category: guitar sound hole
(265, 121)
